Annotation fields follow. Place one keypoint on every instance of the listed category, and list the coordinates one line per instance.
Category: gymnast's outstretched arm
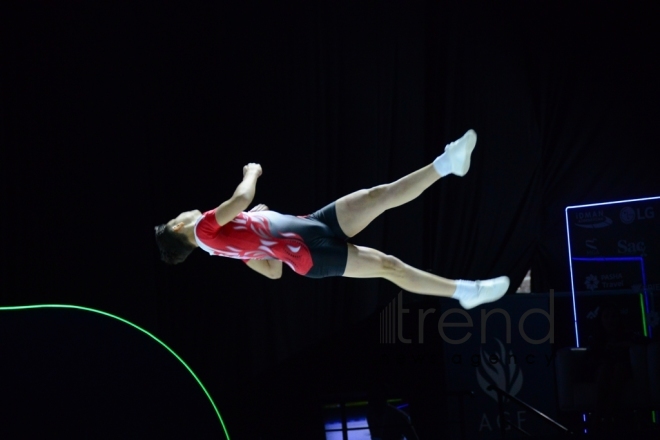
(242, 197)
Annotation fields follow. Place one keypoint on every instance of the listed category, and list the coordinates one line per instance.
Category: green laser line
(64, 306)
(641, 304)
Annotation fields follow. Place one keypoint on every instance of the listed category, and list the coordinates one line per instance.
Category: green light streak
(641, 304)
(354, 404)
(61, 306)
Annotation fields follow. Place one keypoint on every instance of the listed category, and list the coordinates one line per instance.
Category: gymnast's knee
(377, 192)
(392, 266)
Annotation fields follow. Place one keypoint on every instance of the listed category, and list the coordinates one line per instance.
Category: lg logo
(629, 215)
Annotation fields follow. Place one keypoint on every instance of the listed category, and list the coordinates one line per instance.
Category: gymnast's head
(176, 238)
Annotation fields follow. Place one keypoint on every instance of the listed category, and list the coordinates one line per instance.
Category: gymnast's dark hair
(174, 248)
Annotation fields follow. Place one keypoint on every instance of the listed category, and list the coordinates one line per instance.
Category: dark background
(116, 117)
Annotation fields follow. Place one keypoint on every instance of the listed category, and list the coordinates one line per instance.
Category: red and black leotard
(313, 246)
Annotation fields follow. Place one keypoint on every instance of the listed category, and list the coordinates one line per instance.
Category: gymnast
(317, 245)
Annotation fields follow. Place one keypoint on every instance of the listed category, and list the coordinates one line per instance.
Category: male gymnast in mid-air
(318, 245)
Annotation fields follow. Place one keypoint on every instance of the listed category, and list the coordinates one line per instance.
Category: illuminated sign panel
(614, 247)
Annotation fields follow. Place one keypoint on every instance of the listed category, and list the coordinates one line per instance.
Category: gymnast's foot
(456, 158)
(474, 293)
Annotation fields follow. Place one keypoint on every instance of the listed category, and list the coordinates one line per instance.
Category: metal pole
(500, 404)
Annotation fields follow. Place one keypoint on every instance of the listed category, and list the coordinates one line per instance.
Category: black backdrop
(117, 117)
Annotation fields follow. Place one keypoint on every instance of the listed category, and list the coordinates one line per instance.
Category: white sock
(465, 289)
(442, 164)
(456, 158)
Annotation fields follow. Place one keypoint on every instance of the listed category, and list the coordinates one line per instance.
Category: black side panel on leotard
(328, 216)
(329, 254)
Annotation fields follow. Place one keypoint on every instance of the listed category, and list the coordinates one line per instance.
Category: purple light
(614, 203)
(570, 263)
(609, 259)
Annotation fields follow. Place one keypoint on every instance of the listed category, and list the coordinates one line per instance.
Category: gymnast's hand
(259, 207)
(252, 167)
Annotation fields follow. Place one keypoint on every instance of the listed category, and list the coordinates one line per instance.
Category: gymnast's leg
(364, 262)
(356, 210)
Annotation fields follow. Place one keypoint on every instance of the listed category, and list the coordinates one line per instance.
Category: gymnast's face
(187, 218)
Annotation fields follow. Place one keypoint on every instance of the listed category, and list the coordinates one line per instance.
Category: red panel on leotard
(250, 236)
